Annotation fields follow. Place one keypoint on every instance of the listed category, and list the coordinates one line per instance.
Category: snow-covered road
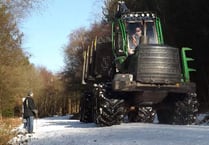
(62, 131)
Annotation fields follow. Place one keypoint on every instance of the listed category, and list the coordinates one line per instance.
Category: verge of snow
(59, 130)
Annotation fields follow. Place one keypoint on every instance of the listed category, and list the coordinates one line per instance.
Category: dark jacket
(29, 107)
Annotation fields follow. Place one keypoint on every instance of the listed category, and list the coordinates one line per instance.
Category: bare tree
(22, 8)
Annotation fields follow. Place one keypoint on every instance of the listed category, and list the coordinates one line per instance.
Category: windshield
(147, 35)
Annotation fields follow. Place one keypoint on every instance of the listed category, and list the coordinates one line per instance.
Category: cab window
(151, 33)
(134, 35)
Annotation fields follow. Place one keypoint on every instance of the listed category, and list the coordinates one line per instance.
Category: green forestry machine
(132, 86)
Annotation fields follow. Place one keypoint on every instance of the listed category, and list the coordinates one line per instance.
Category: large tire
(110, 112)
(185, 112)
(142, 114)
(86, 108)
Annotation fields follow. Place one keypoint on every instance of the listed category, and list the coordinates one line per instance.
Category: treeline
(185, 23)
(17, 74)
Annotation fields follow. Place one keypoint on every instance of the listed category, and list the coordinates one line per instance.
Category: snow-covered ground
(62, 131)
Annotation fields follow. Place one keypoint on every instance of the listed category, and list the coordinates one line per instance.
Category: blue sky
(46, 32)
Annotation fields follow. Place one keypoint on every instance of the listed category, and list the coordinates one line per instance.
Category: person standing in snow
(29, 112)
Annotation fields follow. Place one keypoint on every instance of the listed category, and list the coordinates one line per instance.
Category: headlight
(131, 78)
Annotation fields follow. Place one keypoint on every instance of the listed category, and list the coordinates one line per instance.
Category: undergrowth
(6, 126)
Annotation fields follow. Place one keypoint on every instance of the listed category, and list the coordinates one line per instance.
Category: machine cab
(141, 26)
(125, 35)
(140, 32)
